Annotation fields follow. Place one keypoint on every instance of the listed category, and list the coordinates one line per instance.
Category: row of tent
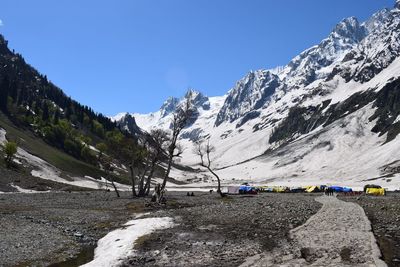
(305, 189)
(248, 189)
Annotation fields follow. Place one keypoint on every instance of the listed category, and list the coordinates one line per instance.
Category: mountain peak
(349, 28)
(377, 20)
(128, 123)
(169, 105)
(191, 92)
(249, 94)
(198, 99)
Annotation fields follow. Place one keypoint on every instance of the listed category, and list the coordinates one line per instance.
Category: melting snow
(22, 190)
(118, 245)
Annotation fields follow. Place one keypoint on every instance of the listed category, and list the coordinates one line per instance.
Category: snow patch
(118, 245)
(29, 191)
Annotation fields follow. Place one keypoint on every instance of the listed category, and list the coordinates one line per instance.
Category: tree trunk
(219, 182)
(115, 188)
(148, 182)
(171, 151)
(133, 182)
(148, 187)
(143, 186)
(167, 172)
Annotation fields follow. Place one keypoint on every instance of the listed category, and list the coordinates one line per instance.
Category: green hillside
(47, 123)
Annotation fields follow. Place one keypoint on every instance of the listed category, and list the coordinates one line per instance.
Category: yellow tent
(311, 189)
(376, 191)
(279, 189)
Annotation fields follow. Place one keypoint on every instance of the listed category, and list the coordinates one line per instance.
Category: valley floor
(41, 229)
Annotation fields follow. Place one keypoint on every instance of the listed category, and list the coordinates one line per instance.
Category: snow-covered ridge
(354, 58)
(313, 64)
(207, 107)
(119, 116)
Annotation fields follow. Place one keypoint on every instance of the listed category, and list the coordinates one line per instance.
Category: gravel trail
(337, 235)
(384, 215)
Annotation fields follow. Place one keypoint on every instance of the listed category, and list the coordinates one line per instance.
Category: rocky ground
(43, 228)
(384, 214)
(47, 228)
(62, 228)
(212, 231)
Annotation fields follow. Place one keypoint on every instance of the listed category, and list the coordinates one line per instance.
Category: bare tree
(144, 160)
(155, 145)
(180, 119)
(204, 151)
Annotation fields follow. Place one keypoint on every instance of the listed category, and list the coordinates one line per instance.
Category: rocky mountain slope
(331, 115)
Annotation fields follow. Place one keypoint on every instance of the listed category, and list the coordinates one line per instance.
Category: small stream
(84, 256)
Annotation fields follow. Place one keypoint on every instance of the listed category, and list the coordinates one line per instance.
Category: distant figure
(188, 194)
(192, 195)
(329, 192)
(211, 191)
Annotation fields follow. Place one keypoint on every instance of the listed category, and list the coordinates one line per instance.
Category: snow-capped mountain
(127, 122)
(331, 115)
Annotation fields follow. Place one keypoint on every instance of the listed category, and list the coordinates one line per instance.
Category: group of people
(329, 191)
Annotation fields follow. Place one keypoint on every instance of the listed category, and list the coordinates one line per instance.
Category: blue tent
(340, 189)
(245, 189)
(347, 189)
(336, 188)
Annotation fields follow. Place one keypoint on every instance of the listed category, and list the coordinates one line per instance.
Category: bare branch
(206, 150)
(198, 150)
(180, 119)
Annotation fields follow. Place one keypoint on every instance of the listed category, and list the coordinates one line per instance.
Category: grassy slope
(36, 146)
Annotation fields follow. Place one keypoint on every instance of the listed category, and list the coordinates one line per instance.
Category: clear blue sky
(130, 55)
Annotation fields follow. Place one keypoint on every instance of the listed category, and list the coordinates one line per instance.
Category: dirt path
(338, 235)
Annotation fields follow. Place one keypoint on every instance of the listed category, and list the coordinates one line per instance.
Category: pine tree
(4, 89)
(13, 91)
(45, 114)
(56, 117)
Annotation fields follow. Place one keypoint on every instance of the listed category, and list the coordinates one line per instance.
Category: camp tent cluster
(248, 189)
